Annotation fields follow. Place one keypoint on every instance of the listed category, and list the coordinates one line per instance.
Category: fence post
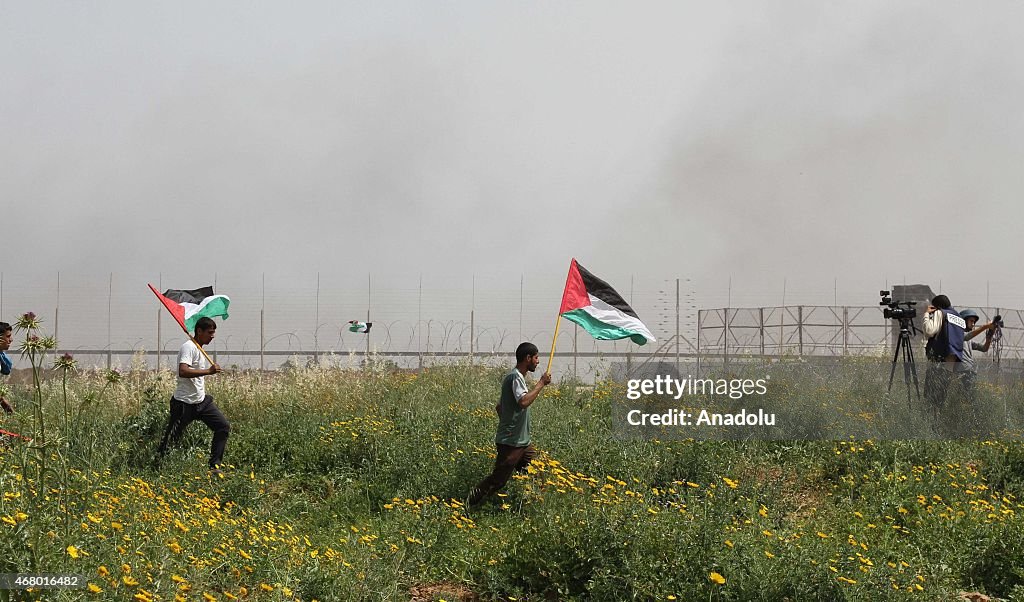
(520, 307)
(846, 330)
(316, 322)
(263, 339)
(369, 288)
(782, 325)
(263, 330)
(419, 325)
(760, 313)
(56, 314)
(678, 366)
(159, 349)
(110, 297)
(629, 349)
(698, 342)
(800, 330)
(725, 339)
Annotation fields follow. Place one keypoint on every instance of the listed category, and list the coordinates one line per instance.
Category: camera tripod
(909, 369)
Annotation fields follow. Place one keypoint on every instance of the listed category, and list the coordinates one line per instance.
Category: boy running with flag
(190, 402)
(513, 436)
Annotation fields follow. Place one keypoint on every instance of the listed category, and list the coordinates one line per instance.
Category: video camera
(895, 309)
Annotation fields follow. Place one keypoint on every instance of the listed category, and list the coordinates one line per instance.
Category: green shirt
(513, 421)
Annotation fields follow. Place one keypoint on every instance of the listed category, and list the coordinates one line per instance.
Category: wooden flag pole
(554, 339)
(183, 329)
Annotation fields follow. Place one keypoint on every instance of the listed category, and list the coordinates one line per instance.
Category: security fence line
(827, 331)
(417, 322)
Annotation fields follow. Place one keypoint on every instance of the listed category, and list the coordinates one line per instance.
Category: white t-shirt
(191, 390)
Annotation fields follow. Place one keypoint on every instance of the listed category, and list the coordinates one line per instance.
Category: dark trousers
(510, 459)
(936, 383)
(950, 396)
(182, 415)
(968, 419)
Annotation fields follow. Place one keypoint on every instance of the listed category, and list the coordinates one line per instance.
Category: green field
(348, 485)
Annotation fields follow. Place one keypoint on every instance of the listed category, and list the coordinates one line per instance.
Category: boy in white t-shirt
(190, 401)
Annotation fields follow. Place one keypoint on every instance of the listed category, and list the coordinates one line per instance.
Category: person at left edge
(6, 336)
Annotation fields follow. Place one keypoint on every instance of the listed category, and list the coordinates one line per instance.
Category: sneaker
(476, 495)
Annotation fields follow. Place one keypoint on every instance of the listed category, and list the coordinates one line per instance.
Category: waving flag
(356, 326)
(188, 306)
(599, 309)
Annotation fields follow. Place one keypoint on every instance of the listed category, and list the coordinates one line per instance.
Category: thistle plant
(113, 376)
(34, 347)
(65, 363)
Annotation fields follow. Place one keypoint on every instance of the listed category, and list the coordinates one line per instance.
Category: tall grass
(349, 485)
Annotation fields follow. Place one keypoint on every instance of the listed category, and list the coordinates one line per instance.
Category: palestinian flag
(594, 305)
(188, 306)
(355, 326)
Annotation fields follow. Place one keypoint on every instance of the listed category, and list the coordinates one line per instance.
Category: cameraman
(945, 329)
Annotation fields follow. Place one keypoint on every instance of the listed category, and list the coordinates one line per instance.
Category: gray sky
(833, 146)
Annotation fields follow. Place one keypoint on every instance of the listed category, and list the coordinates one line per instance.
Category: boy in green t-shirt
(513, 435)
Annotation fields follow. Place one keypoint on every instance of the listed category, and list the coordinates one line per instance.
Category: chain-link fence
(829, 331)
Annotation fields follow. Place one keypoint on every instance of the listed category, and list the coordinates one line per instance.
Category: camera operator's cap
(969, 313)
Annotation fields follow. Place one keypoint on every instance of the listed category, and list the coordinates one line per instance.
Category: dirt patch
(797, 499)
(452, 592)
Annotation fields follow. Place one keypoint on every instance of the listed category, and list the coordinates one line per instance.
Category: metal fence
(107, 319)
(826, 331)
